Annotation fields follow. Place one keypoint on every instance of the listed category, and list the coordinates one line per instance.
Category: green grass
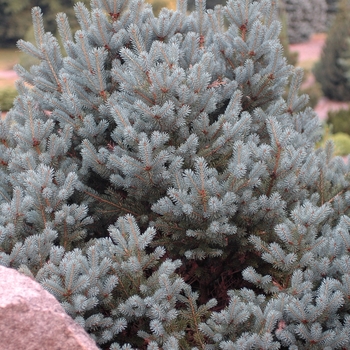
(8, 58)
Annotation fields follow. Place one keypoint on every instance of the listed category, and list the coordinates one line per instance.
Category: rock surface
(32, 319)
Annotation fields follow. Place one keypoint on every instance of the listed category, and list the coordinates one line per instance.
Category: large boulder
(31, 318)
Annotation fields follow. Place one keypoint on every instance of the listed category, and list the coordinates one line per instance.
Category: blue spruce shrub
(156, 182)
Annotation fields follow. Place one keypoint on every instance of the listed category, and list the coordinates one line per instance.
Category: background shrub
(314, 92)
(339, 121)
(7, 95)
(342, 143)
(329, 71)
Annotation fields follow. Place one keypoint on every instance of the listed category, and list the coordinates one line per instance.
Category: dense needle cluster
(156, 182)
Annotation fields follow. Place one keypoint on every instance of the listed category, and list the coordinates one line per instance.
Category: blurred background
(315, 36)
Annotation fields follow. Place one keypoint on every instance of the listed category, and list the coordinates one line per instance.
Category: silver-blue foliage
(155, 180)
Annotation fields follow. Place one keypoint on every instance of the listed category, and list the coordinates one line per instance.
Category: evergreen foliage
(332, 8)
(156, 182)
(330, 71)
(305, 18)
(345, 61)
(339, 120)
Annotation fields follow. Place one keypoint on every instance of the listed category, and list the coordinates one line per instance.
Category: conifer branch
(38, 25)
(53, 71)
(118, 206)
(101, 30)
(274, 174)
(84, 49)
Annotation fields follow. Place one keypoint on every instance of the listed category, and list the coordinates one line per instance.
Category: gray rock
(32, 319)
